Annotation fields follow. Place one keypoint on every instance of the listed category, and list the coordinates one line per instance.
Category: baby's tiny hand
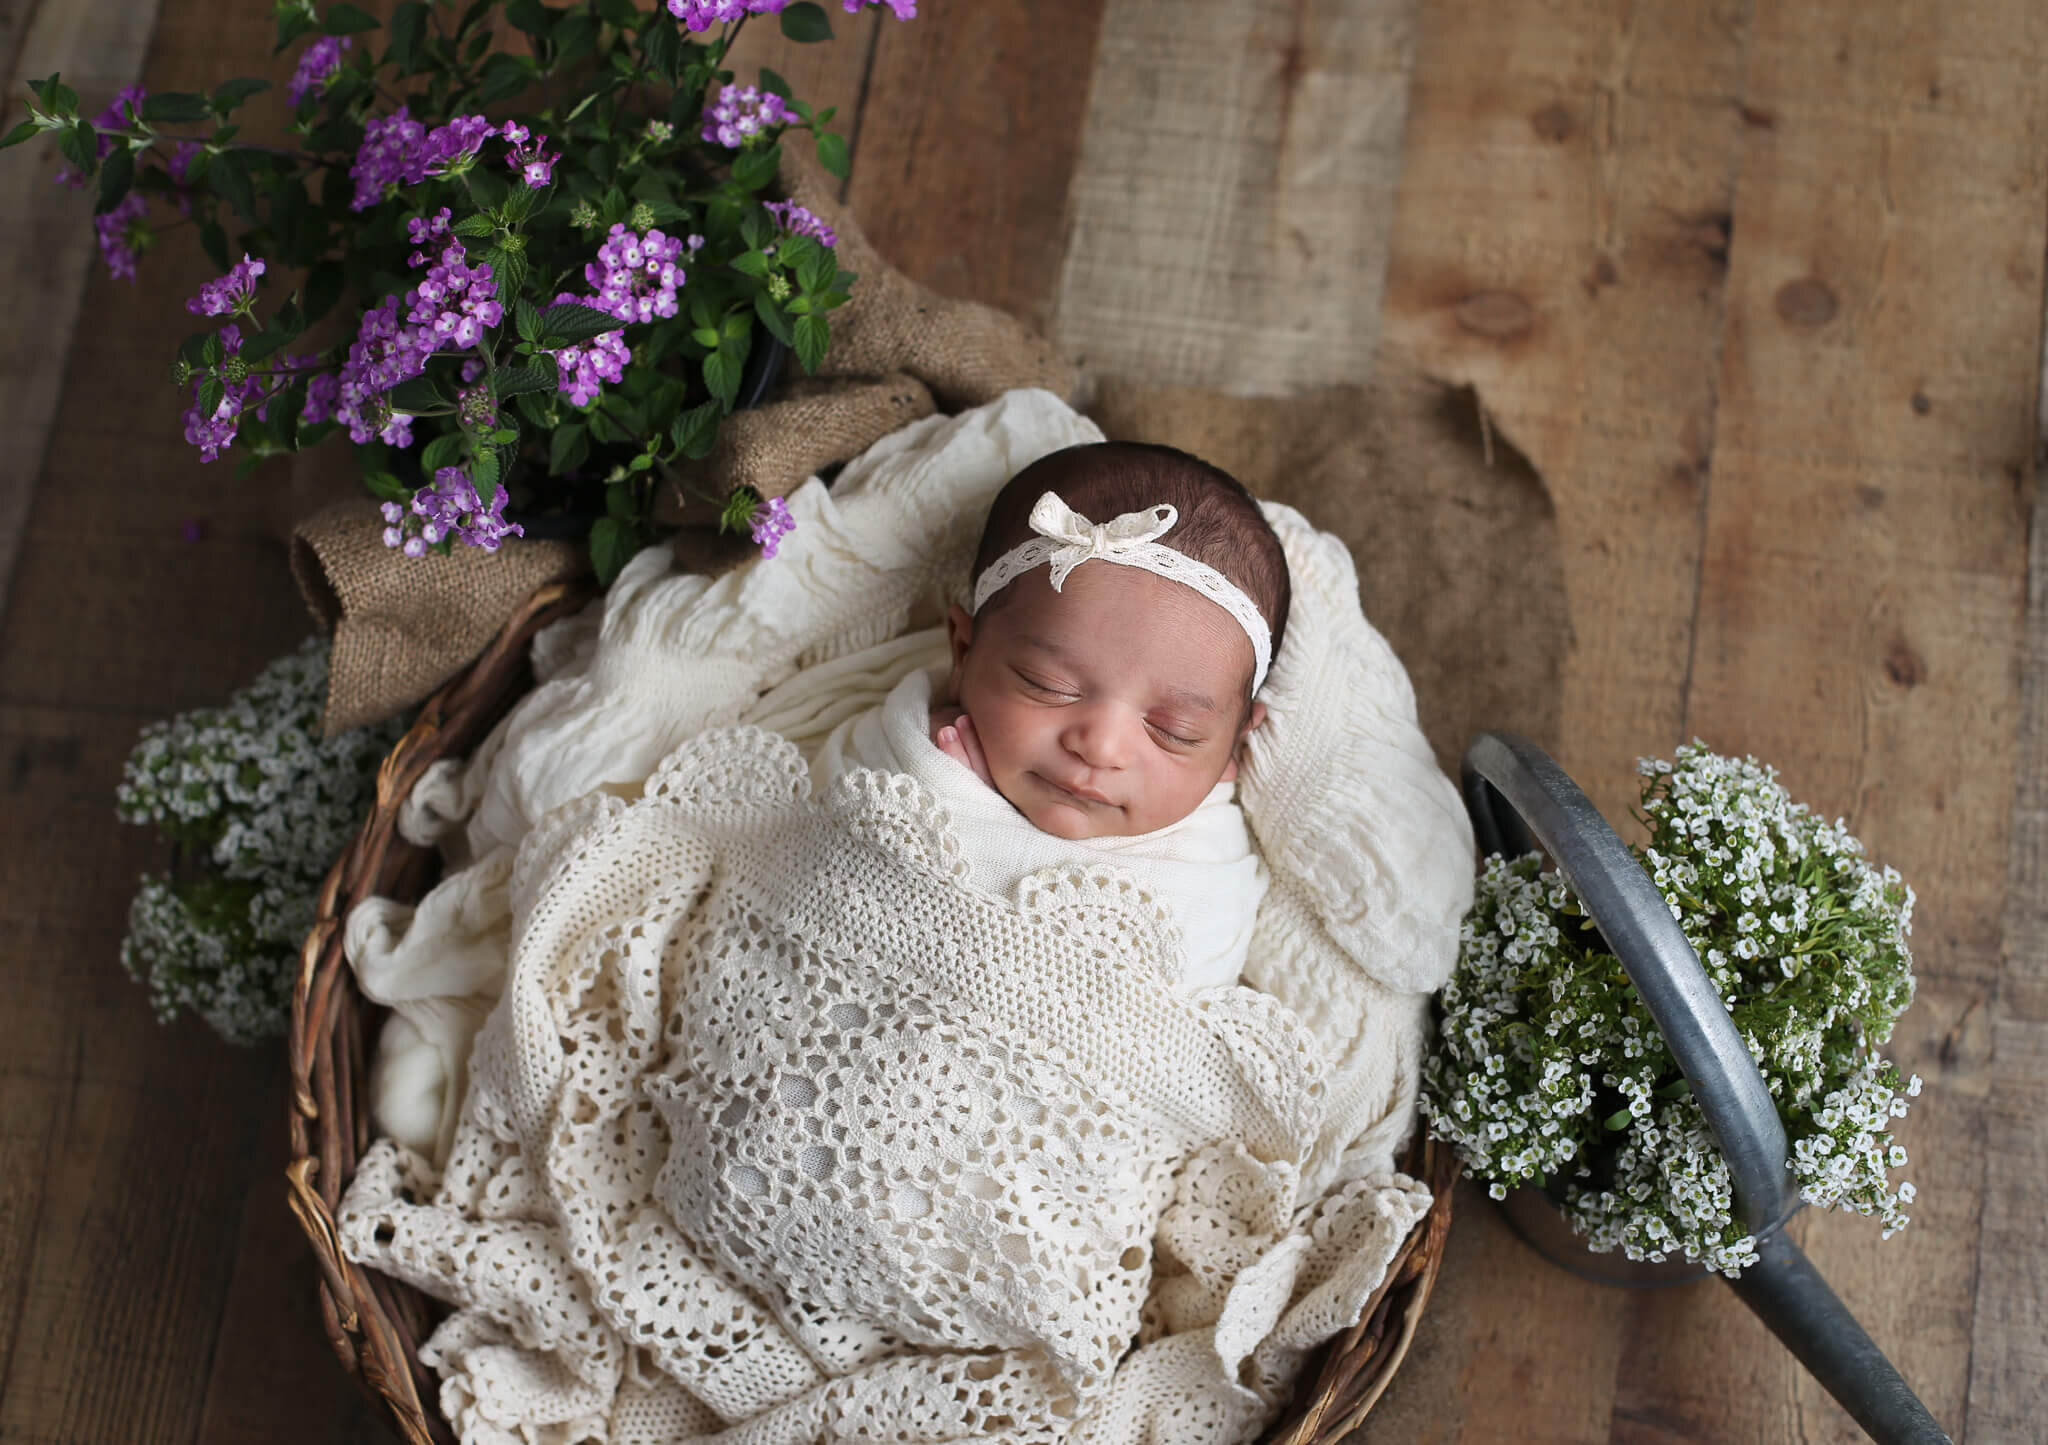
(957, 740)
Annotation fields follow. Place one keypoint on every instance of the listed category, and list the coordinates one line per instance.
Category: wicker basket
(376, 1323)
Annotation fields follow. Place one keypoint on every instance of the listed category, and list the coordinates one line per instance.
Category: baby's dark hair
(1219, 523)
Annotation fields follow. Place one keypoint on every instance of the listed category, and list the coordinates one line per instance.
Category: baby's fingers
(949, 743)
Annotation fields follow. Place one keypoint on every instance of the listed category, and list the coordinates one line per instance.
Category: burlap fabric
(403, 626)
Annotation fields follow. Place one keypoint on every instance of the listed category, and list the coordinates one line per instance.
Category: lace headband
(1066, 539)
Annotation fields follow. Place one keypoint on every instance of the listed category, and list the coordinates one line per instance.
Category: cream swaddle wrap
(584, 1309)
(1202, 867)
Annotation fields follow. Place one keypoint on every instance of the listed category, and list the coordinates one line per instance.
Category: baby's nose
(1100, 739)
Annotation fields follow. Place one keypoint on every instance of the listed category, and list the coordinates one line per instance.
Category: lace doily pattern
(777, 1111)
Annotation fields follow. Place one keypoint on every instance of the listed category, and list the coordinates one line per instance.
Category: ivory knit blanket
(782, 1131)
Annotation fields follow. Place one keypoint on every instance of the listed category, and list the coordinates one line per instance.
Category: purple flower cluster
(449, 507)
(580, 368)
(699, 15)
(742, 112)
(770, 524)
(532, 162)
(636, 276)
(454, 302)
(211, 434)
(383, 354)
(122, 235)
(230, 294)
(422, 229)
(316, 68)
(799, 222)
(397, 150)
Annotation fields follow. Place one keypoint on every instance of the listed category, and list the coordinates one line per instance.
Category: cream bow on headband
(1066, 539)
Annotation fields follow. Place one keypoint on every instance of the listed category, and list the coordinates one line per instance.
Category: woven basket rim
(376, 1323)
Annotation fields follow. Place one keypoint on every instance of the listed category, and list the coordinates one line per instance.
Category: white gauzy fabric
(1202, 867)
(781, 1132)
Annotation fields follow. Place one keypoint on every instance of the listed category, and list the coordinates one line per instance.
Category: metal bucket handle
(1519, 798)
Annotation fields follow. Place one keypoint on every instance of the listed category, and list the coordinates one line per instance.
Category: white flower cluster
(1550, 1072)
(260, 807)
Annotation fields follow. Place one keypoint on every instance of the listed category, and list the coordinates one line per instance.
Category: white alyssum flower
(260, 807)
(1550, 1072)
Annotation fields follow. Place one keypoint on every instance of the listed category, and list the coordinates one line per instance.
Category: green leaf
(263, 343)
(773, 317)
(416, 395)
(815, 272)
(527, 319)
(478, 225)
(621, 14)
(619, 500)
(833, 155)
(774, 83)
(443, 451)
(750, 263)
(291, 24)
(21, 133)
(115, 178)
(752, 170)
(80, 144)
(813, 336)
(541, 376)
(229, 177)
(175, 107)
(1616, 1121)
(323, 288)
(484, 475)
(231, 93)
(612, 545)
(54, 96)
(568, 448)
(722, 375)
(806, 23)
(503, 75)
(661, 47)
(346, 19)
(735, 326)
(211, 394)
(212, 350)
(575, 323)
(696, 430)
(214, 241)
(508, 269)
(530, 15)
(575, 37)
(488, 188)
(408, 29)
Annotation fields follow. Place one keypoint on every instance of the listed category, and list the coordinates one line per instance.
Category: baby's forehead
(1199, 658)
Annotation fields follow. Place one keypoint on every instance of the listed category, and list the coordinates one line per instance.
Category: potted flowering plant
(1549, 1071)
(550, 228)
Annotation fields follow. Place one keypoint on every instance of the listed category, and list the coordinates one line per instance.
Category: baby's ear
(959, 636)
(1256, 717)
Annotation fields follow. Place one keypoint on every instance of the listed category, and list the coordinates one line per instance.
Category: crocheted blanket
(779, 1132)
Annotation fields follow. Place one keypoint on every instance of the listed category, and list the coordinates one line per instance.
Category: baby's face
(1109, 708)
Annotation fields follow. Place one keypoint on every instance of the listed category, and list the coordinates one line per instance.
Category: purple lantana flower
(383, 354)
(742, 112)
(450, 507)
(532, 162)
(636, 276)
(699, 15)
(454, 302)
(123, 236)
(213, 434)
(800, 222)
(387, 157)
(316, 68)
(770, 524)
(231, 294)
(450, 148)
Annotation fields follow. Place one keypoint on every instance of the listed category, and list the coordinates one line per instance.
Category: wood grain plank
(2008, 1386)
(1862, 586)
(1561, 242)
(969, 140)
(1232, 209)
(46, 243)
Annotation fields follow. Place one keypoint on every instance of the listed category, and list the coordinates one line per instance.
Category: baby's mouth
(1082, 795)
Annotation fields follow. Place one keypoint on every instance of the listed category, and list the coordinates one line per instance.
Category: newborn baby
(1127, 602)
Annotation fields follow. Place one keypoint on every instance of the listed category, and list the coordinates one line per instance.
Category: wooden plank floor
(1756, 286)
